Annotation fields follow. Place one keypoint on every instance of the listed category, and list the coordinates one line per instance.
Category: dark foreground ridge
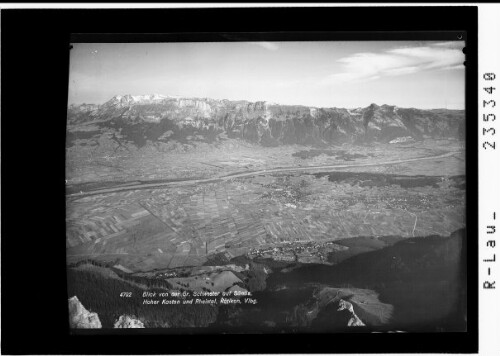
(409, 285)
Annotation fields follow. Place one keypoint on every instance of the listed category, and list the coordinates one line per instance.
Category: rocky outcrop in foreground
(81, 318)
(340, 308)
(354, 319)
(126, 322)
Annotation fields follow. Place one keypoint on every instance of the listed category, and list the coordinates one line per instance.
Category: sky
(353, 74)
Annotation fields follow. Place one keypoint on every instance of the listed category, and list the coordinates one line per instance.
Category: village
(305, 252)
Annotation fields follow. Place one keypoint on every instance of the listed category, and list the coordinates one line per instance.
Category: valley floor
(186, 224)
(101, 164)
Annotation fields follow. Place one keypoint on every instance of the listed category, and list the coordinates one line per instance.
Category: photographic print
(267, 187)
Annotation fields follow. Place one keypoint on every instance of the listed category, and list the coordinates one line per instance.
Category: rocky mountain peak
(263, 122)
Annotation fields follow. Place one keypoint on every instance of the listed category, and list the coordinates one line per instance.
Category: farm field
(288, 216)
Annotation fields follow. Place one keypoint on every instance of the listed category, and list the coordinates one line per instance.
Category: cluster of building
(293, 251)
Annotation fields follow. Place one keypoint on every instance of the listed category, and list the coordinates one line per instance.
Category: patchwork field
(288, 215)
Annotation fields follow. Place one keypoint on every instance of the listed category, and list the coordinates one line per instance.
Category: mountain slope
(149, 119)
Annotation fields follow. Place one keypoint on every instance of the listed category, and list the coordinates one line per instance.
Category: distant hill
(151, 119)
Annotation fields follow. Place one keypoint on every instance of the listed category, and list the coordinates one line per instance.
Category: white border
(489, 179)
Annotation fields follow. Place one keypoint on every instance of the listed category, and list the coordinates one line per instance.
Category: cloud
(399, 61)
(451, 44)
(271, 46)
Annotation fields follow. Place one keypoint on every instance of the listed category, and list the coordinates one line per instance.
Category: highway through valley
(145, 185)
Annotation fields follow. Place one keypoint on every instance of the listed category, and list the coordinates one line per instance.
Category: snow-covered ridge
(130, 100)
(137, 99)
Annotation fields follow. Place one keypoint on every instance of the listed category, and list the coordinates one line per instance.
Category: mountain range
(144, 119)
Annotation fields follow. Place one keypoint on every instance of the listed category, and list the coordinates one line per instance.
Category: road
(155, 185)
